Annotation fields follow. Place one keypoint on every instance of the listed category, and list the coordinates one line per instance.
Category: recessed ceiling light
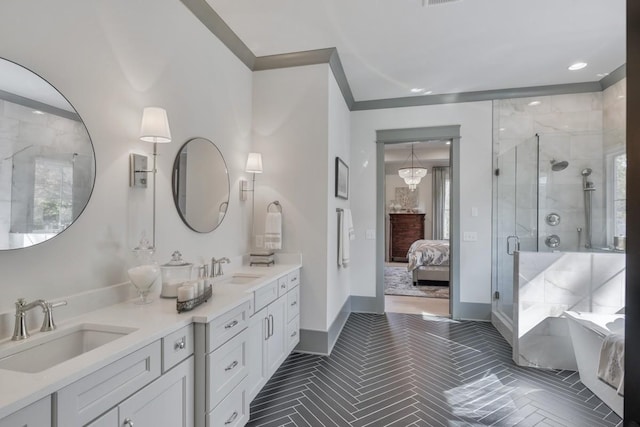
(602, 74)
(534, 103)
(417, 89)
(448, 142)
(620, 96)
(503, 129)
(577, 66)
(37, 112)
(427, 92)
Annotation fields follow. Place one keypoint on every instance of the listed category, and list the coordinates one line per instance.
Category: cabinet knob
(293, 334)
(128, 422)
(179, 345)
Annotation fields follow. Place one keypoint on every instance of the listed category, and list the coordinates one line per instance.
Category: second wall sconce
(254, 166)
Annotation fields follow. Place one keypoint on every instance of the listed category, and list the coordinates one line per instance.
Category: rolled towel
(273, 231)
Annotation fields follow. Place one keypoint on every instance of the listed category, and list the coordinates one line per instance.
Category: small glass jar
(143, 272)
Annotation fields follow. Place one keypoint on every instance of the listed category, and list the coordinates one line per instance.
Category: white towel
(273, 231)
(345, 234)
(611, 365)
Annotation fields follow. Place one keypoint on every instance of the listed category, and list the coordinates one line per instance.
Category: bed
(429, 260)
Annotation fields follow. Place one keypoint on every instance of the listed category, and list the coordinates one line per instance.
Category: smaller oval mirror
(200, 185)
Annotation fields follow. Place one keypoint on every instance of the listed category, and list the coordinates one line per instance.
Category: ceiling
(388, 47)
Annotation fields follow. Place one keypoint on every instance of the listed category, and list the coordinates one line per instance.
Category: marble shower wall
(24, 137)
(550, 284)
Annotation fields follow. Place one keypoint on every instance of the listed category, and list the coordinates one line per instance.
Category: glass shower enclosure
(515, 220)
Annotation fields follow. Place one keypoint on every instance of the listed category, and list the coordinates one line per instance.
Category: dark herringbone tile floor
(403, 370)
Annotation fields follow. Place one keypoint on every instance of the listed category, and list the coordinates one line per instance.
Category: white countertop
(152, 322)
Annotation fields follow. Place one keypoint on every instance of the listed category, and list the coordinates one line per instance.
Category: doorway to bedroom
(417, 194)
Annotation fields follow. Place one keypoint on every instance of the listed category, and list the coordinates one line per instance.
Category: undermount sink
(48, 349)
(244, 278)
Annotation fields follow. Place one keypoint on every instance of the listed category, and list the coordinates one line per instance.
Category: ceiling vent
(437, 2)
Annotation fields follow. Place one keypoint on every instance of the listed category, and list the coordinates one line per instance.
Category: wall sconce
(154, 128)
(254, 166)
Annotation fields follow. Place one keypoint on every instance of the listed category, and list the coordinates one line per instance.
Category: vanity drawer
(233, 411)
(87, 398)
(293, 334)
(265, 295)
(294, 279)
(283, 285)
(221, 329)
(176, 347)
(226, 368)
(293, 303)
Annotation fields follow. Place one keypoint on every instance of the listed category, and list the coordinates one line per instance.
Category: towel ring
(276, 204)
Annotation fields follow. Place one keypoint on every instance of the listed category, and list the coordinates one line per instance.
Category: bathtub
(587, 334)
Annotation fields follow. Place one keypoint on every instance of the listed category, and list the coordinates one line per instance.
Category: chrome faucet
(215, 272)
(20, 331)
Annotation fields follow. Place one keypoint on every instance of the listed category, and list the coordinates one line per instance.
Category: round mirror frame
(43, 107)
(175, 189)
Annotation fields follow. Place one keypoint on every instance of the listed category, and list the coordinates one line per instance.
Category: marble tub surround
(550, 284)
(151, 322)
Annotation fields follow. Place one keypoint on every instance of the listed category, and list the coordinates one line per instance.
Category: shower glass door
(516, 219)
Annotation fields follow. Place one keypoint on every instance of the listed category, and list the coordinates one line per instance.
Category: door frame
(396, 136)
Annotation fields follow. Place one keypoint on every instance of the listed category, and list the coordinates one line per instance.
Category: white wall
(476, 174)
(290, 129)
(338, 279)
(111, 59)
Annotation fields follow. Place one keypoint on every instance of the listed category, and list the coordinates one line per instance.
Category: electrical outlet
(470, 236)
(259, 240)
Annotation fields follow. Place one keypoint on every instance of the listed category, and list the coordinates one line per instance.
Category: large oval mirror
(201, 185)
(47, 163)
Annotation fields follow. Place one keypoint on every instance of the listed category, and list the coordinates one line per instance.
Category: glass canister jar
(144, 271)
(174, 273)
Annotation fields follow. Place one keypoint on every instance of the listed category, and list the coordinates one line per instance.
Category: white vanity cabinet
(222, 360)
(273, 331)
(136, 389)
(37, 414)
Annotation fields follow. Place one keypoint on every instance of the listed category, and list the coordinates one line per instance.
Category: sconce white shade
(155, 125)
(254, 163)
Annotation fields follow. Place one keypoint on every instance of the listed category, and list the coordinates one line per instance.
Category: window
(617, 199)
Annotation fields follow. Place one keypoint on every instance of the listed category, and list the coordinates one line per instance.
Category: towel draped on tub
(611, 365)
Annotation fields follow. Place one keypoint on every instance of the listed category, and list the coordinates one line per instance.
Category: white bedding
(428, 252)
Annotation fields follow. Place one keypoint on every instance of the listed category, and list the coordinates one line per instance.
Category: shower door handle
(517, 245)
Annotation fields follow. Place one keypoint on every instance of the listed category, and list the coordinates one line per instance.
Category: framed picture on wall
(342, 179)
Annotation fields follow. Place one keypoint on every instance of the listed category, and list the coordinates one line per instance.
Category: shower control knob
(552, 219)
(552, 241)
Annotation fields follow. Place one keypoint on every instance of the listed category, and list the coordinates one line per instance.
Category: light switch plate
(474, 211)
(370, 234)
(470, 236)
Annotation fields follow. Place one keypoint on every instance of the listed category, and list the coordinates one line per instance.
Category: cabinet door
(256, 346)
(166, 402)
(276, 344)
(37, 414)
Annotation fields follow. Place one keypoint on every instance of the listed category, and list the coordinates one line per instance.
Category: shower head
(586, 172)
(558, 166)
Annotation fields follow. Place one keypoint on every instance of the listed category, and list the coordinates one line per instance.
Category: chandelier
(412, 175)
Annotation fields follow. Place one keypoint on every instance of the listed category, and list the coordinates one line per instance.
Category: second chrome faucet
(216, 266)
